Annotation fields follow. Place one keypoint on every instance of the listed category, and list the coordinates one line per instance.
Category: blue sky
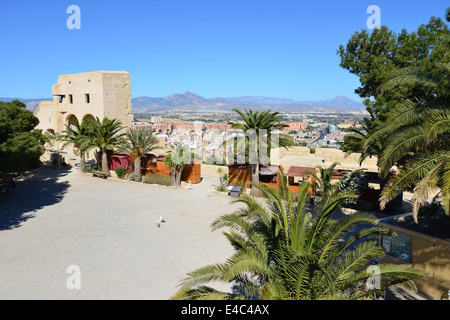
(215, 48)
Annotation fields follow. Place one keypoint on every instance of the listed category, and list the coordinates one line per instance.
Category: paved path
(107, 228)
(57, 219)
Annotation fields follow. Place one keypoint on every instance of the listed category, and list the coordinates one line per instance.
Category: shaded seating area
(241, 175)
(296, 175)
(153, 164)
(7, 184)
(338, 174)
(268, 175)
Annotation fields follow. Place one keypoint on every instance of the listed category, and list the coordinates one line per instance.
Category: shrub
(121, 172)
(157, 179)
(353, 181)
(54, 159)
(221, 188)
(91, 168)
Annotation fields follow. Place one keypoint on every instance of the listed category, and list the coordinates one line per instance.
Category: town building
(295, 126)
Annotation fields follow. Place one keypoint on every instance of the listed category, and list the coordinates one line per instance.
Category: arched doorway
(72, 120)
(88, 117)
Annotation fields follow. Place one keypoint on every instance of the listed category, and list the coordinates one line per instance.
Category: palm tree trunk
(173, 176)
(178, 180)
(82, 161)
(105, 167)
(255, 179)
(178, 175)
(137, 169)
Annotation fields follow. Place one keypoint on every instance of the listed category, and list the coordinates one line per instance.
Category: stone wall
(208, 169)
(301, 156)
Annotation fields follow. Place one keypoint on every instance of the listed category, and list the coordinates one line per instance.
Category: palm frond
(412, 173)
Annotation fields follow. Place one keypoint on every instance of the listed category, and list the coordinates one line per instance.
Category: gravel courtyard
(107, 228)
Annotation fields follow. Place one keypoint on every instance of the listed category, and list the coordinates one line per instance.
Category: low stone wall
(335, 155)
(208, 169)
(301, 156)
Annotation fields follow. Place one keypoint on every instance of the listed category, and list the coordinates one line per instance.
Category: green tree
(44, 137)
(260, 129)
(139, 143)
(373, 55)
(323, 180)
(284, 251)
(19, 144)
(104, 135)
(418, 140)
(177, 159)
(353, 141)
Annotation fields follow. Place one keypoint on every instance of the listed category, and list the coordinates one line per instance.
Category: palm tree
(261, 127)
(104, 135)
(76, 134)
(419, 138)
(139, 143)
(353, 141)
(177, 159)
(284, 250)
(44, 137)
(323, 180)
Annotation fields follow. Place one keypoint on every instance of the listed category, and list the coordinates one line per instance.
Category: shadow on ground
(34, 190)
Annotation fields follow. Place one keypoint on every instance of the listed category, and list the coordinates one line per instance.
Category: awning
(298, 171)
(118, 162)
(338, 173)
(266, 170)
(238, 166)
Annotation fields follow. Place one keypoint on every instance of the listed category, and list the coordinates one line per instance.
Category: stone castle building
(85, 96)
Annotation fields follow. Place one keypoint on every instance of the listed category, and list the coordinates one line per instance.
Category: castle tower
(85, 96)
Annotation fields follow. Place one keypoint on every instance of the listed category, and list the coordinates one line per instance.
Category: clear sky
(215, 48)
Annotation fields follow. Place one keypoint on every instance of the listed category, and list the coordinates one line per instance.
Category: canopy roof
(295, 171)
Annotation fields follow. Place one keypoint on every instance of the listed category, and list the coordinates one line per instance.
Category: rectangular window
(61, 98)
(70, 99)
(88, 98)
(398, 246)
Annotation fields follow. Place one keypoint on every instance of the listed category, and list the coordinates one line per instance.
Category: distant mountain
(189, 101)
(340, 101)
(261, 100)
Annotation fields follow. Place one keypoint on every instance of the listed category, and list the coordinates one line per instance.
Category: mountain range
(191, 102)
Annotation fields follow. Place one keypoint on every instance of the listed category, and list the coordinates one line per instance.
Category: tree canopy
(405, 80)
(19, 142)
(373, 56)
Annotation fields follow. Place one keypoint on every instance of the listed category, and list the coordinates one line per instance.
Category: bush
(54, 159)
(353, 181)
(91, 168)
(121, 172)
(157, 179)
